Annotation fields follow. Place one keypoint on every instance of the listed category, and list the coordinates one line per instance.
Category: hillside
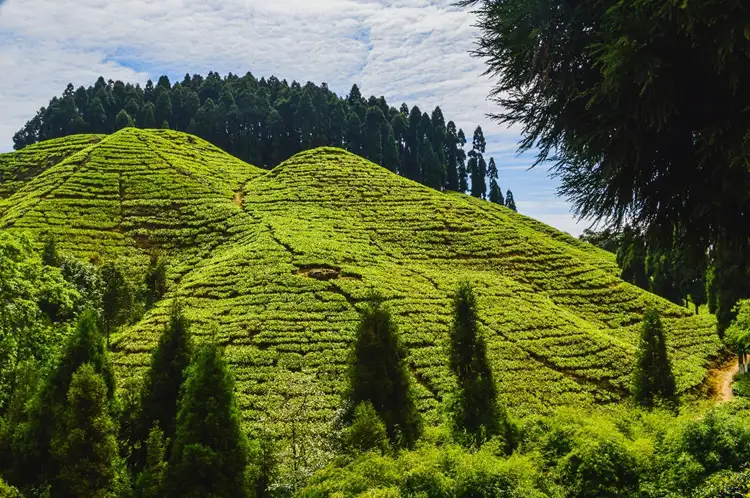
(275, 263)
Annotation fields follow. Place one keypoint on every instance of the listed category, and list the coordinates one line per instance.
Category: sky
(413, 51)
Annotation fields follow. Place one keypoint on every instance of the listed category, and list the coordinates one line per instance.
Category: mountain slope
(274, 265)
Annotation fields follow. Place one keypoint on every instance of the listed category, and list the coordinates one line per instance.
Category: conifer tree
(476, 412)
(150, 481)
(354, 134)
(123, 120)
(379, 374)
(161, 388)
(34, 462)
(463, 175)
(432, 172)
(510, 202)
(86, 448)
(451, 156)
(117, 298)
(372, 136)
(391, 156)
(209, 451)
(653, 380)
(149, 116)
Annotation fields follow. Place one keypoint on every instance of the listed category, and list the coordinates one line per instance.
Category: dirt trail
(722, 379)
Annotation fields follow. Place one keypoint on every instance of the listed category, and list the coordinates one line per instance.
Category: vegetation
(271, 274)
(653, 380)
(379, 378)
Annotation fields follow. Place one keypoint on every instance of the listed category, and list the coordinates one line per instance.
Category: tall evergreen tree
(209, 453)
(510, 201)
(413, 145)
(379, 374)
(495, 194)
(163, 109)
(86, 448)
(161, 387)
(149, 116)
(477, 416)
(463, 175)
(391, 156)
(433, 175)
(150, 481)
(451, 156)
(34, 462)
(372, 135)
(354, 134)
(653, 380)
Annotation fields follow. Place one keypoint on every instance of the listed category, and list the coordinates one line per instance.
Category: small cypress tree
(379, 374)
(151, 480)
(476, 412)
(653, 380)
(117, 298)
(510, 202)
(156, 279)
(50, 255)
(86, 450)
(209, 453)
(47, 408)
(161, 388)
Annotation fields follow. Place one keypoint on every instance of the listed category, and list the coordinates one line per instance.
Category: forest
(265, 122)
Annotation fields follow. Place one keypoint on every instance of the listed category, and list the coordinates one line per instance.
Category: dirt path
(722, 379)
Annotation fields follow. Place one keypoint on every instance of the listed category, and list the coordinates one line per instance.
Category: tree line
(266, 121)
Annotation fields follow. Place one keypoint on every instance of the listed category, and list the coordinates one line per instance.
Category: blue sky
(415, 51)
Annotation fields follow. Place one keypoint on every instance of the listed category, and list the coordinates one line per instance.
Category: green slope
(275, 264)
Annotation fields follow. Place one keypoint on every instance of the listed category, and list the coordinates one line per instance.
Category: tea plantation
(275, 264)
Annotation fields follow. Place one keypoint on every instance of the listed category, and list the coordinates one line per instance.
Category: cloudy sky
(415, 51)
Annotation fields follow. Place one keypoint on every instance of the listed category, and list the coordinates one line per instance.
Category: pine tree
(391, 156)
(463, 175)
(209, 452)
(123, 120)
(149, 116)
(117, 298)
(477, 416)
(631, 258)
(354, 134)
(653, 380)
(451, 156)
(161, 387)
(86, 449)
(34, 462)
(510, 202)
(379, 374)
(495, 194)
(150, 481)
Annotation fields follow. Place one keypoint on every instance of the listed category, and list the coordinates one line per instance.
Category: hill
(275, 263)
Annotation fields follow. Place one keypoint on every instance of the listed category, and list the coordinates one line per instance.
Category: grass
(275, 265)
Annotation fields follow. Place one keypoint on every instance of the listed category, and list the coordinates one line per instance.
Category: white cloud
(407, 50)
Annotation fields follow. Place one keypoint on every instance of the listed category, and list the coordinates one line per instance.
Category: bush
(367, 431)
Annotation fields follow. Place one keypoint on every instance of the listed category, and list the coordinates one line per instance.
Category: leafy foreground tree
(653, 380)
(159, 399)
(477, 416)
(210, 452)
(86, 449)
(379, 374)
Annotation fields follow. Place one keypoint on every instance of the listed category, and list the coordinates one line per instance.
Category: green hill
(275, 264)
